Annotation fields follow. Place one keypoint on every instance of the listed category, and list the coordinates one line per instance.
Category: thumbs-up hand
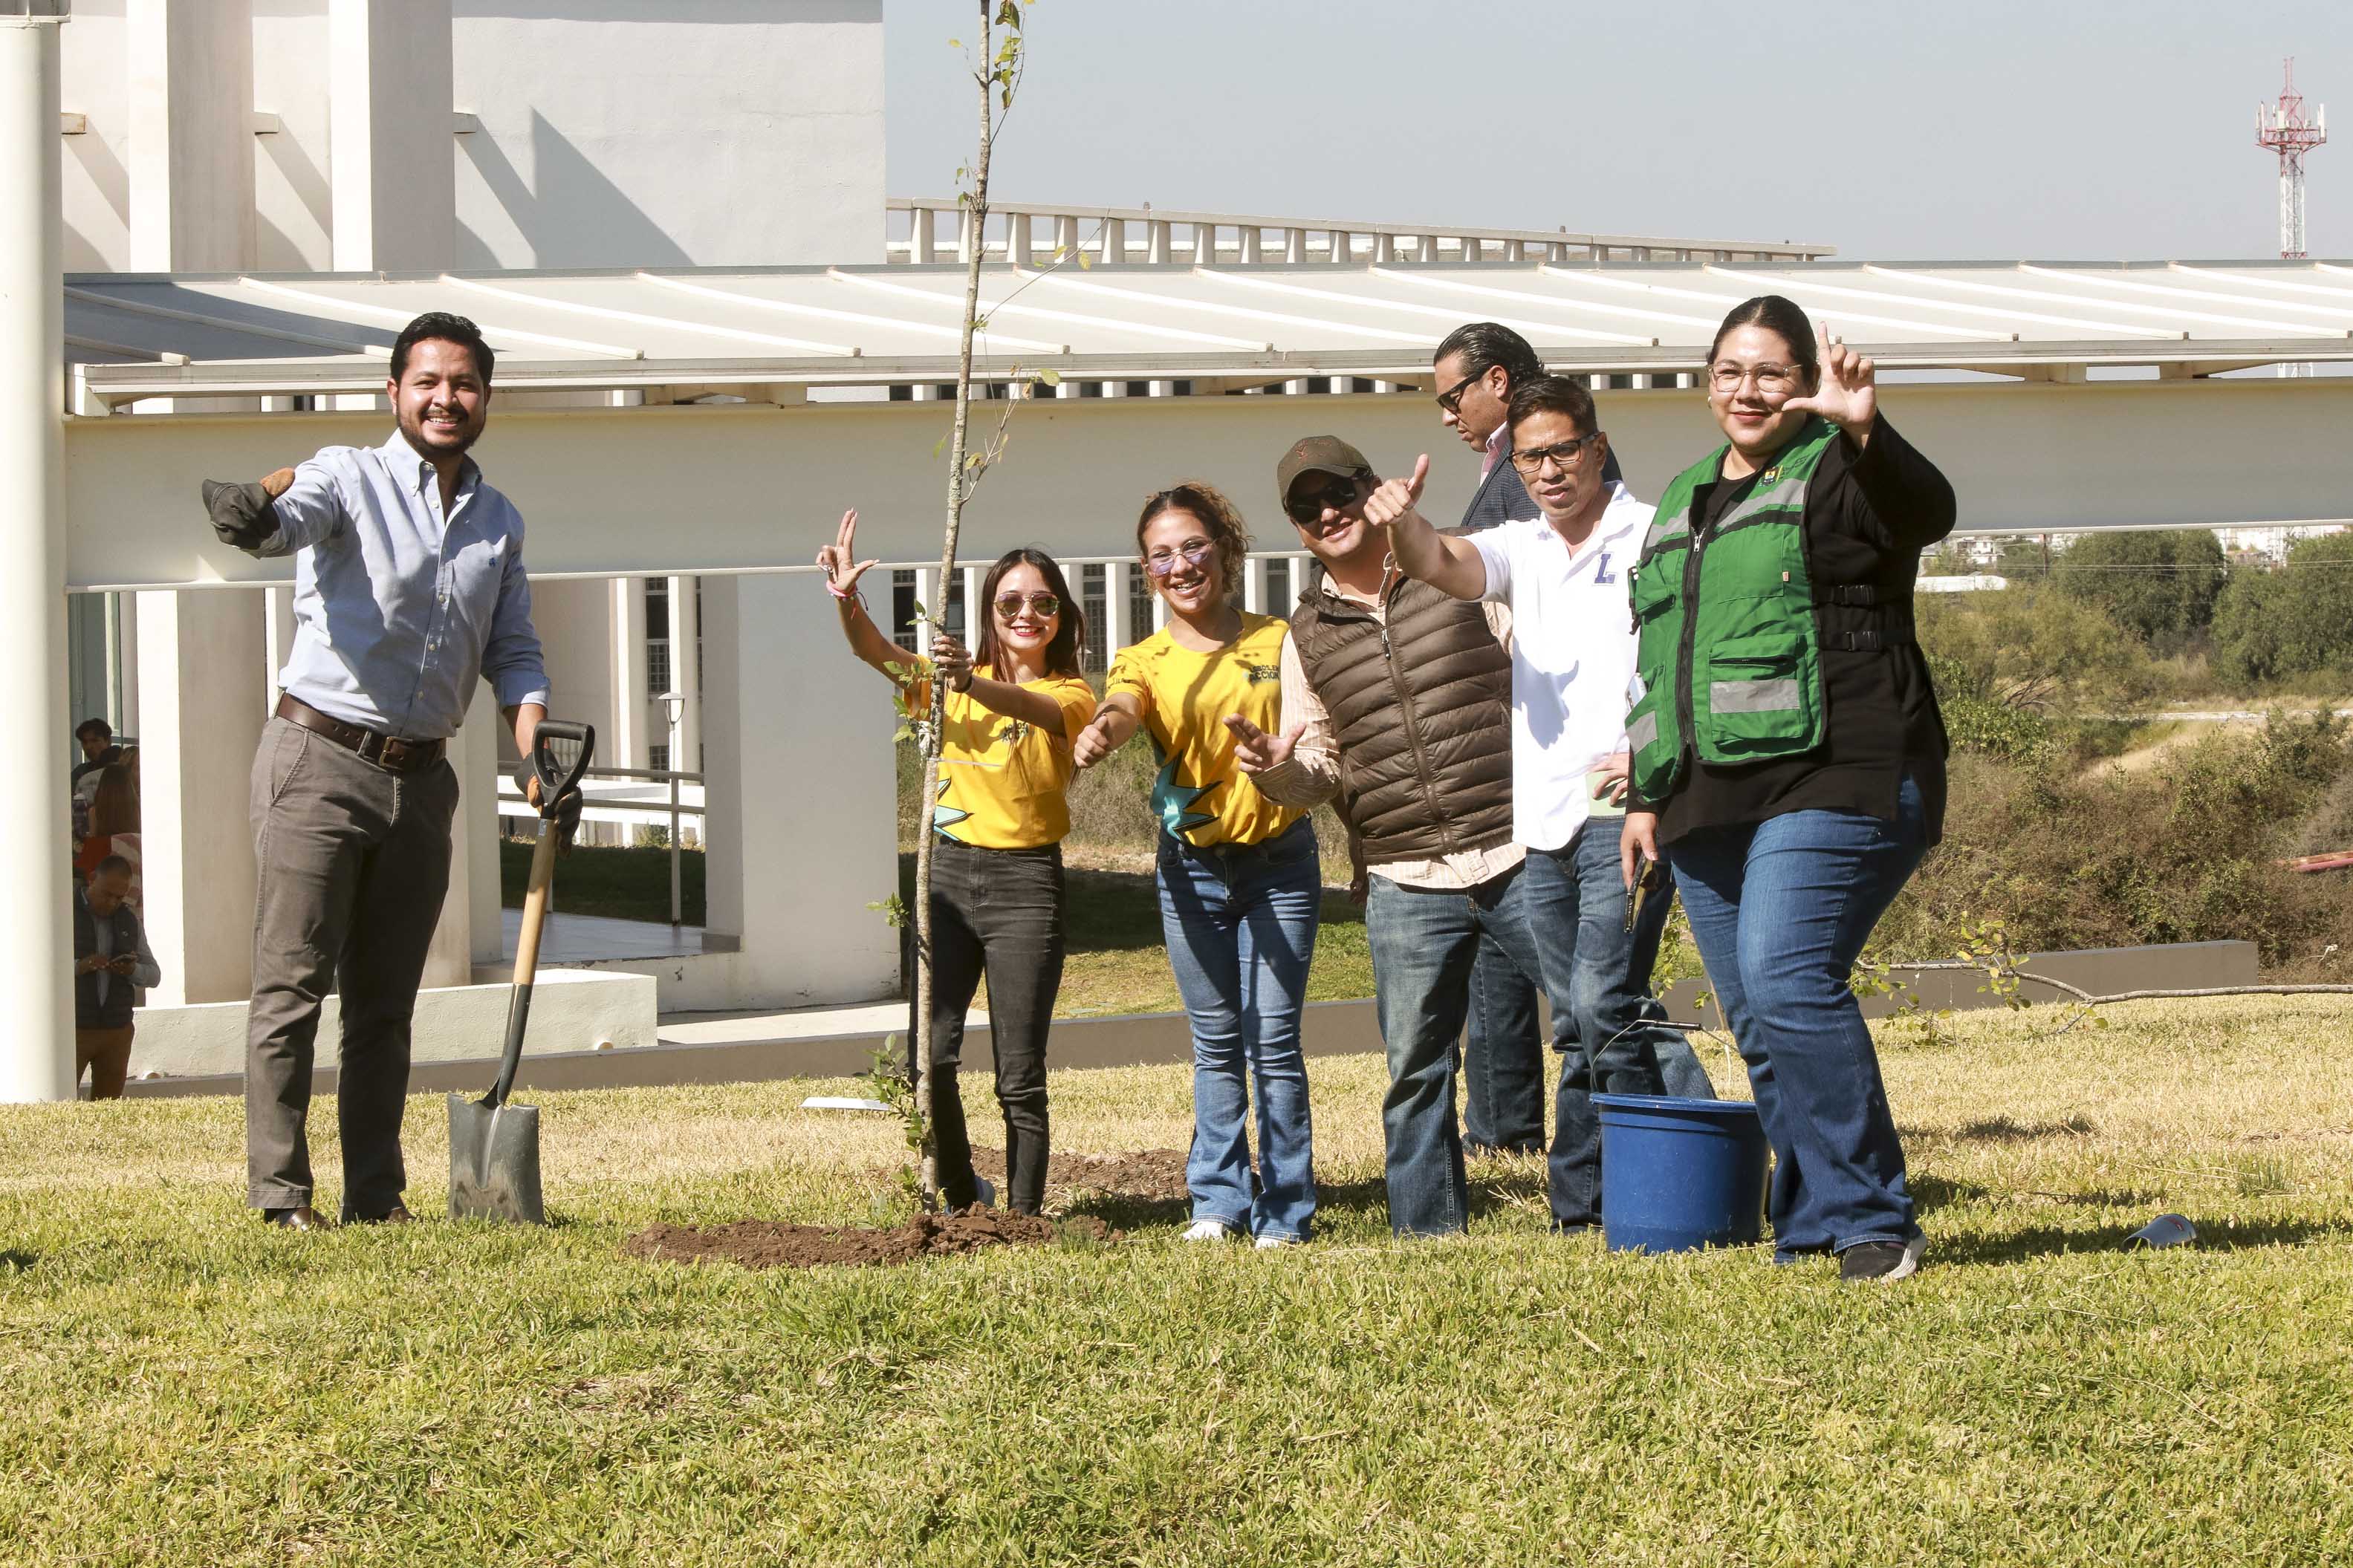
(1256, 750)
(1394, 500)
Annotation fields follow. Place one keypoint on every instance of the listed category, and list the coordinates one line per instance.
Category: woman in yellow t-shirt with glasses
(1013, 706)
(1239, 879)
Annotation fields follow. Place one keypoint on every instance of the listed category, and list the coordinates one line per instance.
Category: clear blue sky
(2048, 129)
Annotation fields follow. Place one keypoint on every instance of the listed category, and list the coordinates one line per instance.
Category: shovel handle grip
(554, 780)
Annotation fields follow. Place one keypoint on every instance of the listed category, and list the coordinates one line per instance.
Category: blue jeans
(1240, 921)
(1502, 1054)
(1780, 909)
(1429, 953)
(1605, 1021)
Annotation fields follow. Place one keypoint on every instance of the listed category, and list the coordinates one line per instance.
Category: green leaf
(1051, 377)
(955, 43)
(941, 444)
(1086, 261)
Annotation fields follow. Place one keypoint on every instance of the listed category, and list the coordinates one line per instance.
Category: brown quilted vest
(1421, 708)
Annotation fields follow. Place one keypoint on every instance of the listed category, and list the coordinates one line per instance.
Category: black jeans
(998, 912)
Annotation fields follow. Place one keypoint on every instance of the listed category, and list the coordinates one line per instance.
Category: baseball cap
(1318, 454)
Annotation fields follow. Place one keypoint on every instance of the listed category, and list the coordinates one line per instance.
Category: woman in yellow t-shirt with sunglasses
(1240, 881)
(1013, 705)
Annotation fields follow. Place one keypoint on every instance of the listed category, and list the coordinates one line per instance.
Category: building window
(657, 667)
(903, 608)
(1278, 586)
(1139, 604)
(658, 758)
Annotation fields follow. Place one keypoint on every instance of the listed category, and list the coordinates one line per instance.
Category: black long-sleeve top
(1869, 514)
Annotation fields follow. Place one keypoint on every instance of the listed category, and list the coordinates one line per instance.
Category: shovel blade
(494, 1163)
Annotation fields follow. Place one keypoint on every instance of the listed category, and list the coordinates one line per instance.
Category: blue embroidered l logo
(1601, 573)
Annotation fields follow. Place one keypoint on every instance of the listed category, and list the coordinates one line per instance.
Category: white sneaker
(1208, 1230)
(983, 1191)
(1269, 1243)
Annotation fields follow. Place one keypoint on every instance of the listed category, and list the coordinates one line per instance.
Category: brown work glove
(241, 513)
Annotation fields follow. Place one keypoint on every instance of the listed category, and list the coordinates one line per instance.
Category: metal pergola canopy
(130, 336)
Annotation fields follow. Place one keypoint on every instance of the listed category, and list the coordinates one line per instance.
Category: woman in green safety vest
(1789, 759)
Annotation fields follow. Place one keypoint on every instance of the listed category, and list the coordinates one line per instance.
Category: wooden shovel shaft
(534, 915)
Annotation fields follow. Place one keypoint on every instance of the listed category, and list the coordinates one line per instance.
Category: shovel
(494, 1146)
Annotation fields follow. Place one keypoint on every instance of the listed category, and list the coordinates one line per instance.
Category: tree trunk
(926, 1044)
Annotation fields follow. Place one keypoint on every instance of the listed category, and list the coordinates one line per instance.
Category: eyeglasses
(1564, 453)
(1042, 606)
(1306, 507)
(1161, 563)
(1450, 399)
(1772, 380)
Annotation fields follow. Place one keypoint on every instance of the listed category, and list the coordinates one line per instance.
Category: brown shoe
(397, 1214)
(302, 1217)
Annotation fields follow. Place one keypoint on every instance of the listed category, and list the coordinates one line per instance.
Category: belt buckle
(371, 747)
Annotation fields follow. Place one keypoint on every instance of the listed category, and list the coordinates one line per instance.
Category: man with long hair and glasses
(1563, 573)
(1476, 367)
(1398, 700)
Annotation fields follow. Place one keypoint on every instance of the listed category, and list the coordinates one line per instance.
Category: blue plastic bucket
(1679, 1174)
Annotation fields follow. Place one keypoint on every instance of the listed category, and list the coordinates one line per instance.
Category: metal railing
(676, 809)
(1025, 233)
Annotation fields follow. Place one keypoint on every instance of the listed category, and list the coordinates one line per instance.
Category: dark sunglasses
(1306, 507)
(1452, 398)
(1041, 605)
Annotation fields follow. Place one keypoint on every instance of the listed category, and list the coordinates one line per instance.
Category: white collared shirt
(1499, 447)
(1572, 658)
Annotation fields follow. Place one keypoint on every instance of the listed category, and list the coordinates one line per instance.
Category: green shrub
(2033, 649)
(2295, 621)
(2160, 585)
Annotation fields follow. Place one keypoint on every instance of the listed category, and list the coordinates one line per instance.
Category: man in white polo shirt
(1563, 573)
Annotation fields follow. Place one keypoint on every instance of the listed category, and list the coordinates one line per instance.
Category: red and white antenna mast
(2285, 129)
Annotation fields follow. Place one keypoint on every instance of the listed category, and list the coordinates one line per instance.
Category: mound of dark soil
(771, 1244)
(1150, 1175)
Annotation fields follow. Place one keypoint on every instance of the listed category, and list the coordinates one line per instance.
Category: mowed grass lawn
(185, 1387)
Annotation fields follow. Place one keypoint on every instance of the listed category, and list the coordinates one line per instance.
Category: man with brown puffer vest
(1402, 710)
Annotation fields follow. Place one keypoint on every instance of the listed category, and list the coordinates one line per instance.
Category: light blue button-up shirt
(397, 609)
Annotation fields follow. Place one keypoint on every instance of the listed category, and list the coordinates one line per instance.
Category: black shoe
(301, 1217)
(1882, 1262)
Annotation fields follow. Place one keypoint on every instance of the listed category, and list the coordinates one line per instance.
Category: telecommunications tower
(2283, 129)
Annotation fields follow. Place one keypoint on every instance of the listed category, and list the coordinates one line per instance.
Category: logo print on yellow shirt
(1263, 672)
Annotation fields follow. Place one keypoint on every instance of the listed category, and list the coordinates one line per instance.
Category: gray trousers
(352, 862)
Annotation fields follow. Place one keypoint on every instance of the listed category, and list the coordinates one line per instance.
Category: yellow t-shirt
(1004, 783)
(1199, 795)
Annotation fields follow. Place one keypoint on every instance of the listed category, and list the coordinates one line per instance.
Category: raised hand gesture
(1256, 750)
(1847, 391)
(839, 559)
(1096, 741)
(1394, 499)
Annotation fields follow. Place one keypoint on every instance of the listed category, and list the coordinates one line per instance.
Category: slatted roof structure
(1220, 327)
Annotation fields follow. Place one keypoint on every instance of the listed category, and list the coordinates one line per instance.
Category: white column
(796, 852)
(1117, 632)
(1159, 612)
(1016, 238)
(36, 929)
(974, 612)
(919, 237)
(1251, 239)
(1114, 240)
(1157, 241)
(471, 922)
(925, 578)
(1294, 247)
(1254, 584)
(190, 143)
(625, 747)
(278, 642)
(685, 674)
(202, 674)
(390, 166)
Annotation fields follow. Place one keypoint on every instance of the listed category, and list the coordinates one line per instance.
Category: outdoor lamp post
(674, 708)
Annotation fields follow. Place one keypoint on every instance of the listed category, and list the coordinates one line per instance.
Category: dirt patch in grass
(1149, 1175)
(773, 1244)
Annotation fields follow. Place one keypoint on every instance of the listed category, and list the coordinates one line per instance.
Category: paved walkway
(590, 939)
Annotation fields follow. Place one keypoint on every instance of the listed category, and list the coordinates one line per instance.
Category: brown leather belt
(386, 752)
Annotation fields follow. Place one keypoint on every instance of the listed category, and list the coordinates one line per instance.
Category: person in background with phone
(1563, 573)
(110, 963)
(1012, 708)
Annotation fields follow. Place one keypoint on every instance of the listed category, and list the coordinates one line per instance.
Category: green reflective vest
(1729, 655)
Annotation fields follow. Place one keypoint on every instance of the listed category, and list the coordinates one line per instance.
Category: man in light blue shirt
(408, 586)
